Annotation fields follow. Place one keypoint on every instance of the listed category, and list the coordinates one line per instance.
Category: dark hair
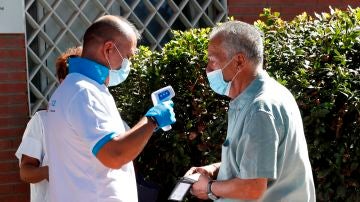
(108, 26)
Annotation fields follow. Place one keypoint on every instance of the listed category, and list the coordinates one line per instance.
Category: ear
(106, 48)
(240, 61)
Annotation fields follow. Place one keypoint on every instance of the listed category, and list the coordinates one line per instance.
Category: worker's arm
(31, 171)
(126, 147)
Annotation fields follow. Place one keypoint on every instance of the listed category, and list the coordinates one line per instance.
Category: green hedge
(317, 59)
(201, 115)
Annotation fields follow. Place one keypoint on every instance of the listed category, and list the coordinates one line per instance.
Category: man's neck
(243, 80)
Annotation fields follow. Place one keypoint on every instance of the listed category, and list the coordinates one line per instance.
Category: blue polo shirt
(265, 139)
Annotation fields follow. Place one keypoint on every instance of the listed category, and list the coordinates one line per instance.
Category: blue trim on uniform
(88, 68)
(102, 142)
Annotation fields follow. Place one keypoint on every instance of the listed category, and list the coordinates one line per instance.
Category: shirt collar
(249, 92)
(88, 68)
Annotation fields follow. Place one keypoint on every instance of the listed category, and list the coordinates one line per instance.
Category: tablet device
(182, 187)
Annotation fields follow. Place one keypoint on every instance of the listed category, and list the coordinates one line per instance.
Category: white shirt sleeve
(90, 119)
(32, 141)
(126, 126)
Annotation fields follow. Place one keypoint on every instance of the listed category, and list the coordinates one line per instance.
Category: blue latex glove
(163, 113)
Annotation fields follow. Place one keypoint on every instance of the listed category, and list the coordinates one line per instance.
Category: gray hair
(241, 37)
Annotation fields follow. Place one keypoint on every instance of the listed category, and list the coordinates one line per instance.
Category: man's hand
(163, 113)
(209, 170)
(199, 188)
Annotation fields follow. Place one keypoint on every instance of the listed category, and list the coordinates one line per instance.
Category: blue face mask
(118, 76)
(217, 82)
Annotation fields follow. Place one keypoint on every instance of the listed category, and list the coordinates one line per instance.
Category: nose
(208, 68)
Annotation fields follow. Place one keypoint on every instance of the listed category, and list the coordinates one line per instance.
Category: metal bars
(52, 26)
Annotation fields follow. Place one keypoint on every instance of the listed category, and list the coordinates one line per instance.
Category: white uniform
(82, 117)
(33, 145)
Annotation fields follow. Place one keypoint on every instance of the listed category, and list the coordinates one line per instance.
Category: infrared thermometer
(162, 95)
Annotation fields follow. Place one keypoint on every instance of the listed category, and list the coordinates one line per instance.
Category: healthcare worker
(32, 155)
(90, 153)
(265, 155)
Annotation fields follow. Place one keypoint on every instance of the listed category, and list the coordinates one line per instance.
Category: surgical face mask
(217, 82)
(118, 76)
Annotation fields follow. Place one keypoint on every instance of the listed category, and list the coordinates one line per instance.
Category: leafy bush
(317, 59)
(201, 115)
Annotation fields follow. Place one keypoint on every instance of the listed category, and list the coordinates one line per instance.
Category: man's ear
(106, 48)
(240, 61)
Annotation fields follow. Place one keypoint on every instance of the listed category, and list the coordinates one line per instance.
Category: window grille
(52, 26)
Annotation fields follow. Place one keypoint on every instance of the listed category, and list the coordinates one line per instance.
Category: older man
(264, 156)
(90, 152)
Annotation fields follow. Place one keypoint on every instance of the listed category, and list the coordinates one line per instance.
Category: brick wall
(249, 10)
(13, 114)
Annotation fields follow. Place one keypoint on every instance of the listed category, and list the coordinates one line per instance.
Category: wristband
(210, 194)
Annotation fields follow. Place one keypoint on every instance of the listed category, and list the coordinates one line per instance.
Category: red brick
(6, 144)
(284, 2)
(10, 177)
(14, 109)
(12, 54)
(261, 3)
(9, 188)
(10, 143)
(9, 166)
(288, 9)
(294, 9)
(249, 19)
(6, 122)
(339, 2)
(13, 76)
(12, 131)
(10, 66)
(13, 87)
(18, 98)
(7, 155)
(258, 2)
(11, 41)
(13, 114)
(289, 13)
(245, 10)
(15, 198)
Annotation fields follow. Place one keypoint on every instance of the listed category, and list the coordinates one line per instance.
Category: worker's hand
(163, 113)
